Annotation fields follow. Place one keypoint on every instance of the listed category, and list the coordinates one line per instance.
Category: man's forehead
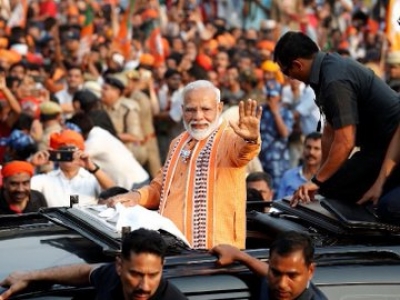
(137, 261)
(200, 94)
(19, 177)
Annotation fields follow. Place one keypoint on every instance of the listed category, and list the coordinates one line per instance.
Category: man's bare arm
(69, 275)
(343, 142)
(228, 254)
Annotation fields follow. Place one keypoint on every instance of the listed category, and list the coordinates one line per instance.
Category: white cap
(93, 86)
(267, 24)
(118, 58)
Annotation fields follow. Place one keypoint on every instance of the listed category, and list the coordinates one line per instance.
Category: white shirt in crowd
(114, 158)
(305, 106)
(57, 188)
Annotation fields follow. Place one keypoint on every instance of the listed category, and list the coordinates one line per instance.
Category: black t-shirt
(108, 286)
(348, 93)
(36, 201)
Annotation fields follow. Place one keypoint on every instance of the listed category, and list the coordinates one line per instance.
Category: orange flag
(87, 30)
(154, 40)
(123, 39)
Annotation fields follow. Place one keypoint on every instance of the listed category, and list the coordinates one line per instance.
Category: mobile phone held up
(61, 155)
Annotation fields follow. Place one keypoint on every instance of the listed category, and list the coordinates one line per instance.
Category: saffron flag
(392, 26)
(122, 41)
(86, 34)
(154, 41)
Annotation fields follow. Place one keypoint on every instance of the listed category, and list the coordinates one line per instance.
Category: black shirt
(348, 93)
(36, 201)
(108, 286)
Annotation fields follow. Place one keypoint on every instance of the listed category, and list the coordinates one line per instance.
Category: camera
(61, 155)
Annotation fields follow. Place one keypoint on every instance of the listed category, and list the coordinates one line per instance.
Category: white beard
(201, 134)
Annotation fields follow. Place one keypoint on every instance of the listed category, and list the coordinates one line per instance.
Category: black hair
(291, 241)
(24, 122)
(177, 57)
(143, 241)
(253, 194)
(18, 64)
(257, 176)
(112, 191)
(248, 76)
(10, 80)
(73, 66)
(115, 82)
(293, 45)
(343, 52)
(315, 135)
(87, 99)
(171, 72)
(197, 72)
(83, 121)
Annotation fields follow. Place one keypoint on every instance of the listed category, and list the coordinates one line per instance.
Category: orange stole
(205, 240)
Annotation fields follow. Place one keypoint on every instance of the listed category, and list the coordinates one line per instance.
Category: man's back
(350, 94)
(114, 158)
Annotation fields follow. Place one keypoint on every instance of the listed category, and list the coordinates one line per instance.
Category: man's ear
(311, 270)
(220, 106)
(118, 265)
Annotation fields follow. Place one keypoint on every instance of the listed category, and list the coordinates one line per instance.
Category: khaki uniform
(125, 115)
(150, 140)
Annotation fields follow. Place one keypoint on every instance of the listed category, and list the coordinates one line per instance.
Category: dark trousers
(389, 206)
(354, 178)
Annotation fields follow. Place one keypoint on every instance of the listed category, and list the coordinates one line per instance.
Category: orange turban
(270, 66)
(265, 44)
(149, 14)
(16, 167)
(66, 138)
(147, 59)
(204, 61)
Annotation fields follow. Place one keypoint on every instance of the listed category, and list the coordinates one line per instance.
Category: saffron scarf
(199, 214)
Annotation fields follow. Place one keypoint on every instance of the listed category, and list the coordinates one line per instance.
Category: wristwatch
(96, 168)
(316, 181)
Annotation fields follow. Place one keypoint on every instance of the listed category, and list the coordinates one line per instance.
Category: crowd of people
(192, 112)
(111, 82)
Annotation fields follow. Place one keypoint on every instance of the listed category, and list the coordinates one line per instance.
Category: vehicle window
(363, 292)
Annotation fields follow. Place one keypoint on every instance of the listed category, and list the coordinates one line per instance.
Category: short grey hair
(194, 85)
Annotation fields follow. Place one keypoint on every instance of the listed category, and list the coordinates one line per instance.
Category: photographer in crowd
(76, 173)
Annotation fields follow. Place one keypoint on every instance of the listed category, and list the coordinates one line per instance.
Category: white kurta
(57, 188)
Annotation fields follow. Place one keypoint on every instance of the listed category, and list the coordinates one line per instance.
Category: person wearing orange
(201, 186)
(78, 176)
(16, 196)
